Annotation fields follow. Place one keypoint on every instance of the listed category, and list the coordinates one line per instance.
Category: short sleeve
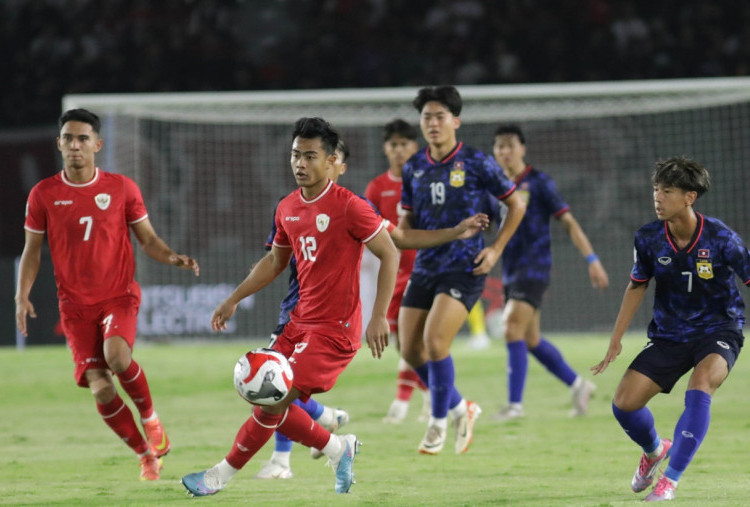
(494, 179)
(363, 222)
(406, 195)
(36, 215)
(135, 209)
(642, 266)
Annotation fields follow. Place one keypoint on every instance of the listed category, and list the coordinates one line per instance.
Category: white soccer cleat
(464, 425)
(581, 396)
(479, 341)
(433, 441)
(274, 470)
(509, 413)
(396, 412)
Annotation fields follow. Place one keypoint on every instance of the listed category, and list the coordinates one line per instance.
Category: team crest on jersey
(102, 201)
(322, 221)
(458, 175)
(705, 269)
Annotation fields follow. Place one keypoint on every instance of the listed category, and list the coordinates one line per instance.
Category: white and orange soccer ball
(263, 376)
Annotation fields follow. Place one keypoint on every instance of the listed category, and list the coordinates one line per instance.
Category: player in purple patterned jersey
(441, 184)
(697, 321)
(526, 265)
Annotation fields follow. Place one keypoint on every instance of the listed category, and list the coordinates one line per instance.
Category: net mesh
(213, 165)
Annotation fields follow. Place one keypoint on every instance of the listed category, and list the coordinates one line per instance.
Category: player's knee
(103, 390)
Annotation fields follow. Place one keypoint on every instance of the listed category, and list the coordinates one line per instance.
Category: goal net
(213, 165)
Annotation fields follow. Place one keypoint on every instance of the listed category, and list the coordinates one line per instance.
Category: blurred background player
(87, 215)
(328, 228)
(441, 183)
(384, 191)
(279, 467)
(697, 321)
(526, 265)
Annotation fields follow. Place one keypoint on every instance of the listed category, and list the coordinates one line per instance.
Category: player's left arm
(408, 238)
(157, 249)
(488, 257)
(377, 331)
(597, 273)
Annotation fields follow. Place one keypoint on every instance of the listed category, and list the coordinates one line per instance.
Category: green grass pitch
(55, 450)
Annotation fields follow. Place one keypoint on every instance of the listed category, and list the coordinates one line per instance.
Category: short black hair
(683, 173)
(510, 129)
(344, 149)
(310, 128)
(446, 95)
(82, 115)
(399, 127)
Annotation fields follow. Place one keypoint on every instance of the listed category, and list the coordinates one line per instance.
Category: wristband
(592, 257)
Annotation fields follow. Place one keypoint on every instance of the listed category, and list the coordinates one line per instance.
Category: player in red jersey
(325, 227)
(384, 191)
(87, 215)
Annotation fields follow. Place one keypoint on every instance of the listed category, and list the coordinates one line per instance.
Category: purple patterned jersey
(442, 193)
(696, 291)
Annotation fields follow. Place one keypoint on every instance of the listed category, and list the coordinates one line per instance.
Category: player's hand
(377, 334)
(485, 260)
(598, 276)
(615, 347)
(472, 225)
(24, 309)
(221, 315)
(185, 262)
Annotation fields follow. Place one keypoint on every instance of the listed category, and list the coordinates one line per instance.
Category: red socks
(257, 430)
(407, 381)
(118, 416)
(133, 381)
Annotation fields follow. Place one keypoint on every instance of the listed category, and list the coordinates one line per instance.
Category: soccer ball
(263, 376)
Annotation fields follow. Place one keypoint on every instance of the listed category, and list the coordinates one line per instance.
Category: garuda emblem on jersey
(705, 269)
(102, 201)
(458, 175)
(322, 221)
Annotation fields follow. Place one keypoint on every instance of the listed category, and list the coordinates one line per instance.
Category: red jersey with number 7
(327, 235)
(88, 231)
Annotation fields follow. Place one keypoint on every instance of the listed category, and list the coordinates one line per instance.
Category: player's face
(398, 150)
(338, 167)
(670, 202)
(438, 124)
(310, 164)
(78, 144)
(509, 152)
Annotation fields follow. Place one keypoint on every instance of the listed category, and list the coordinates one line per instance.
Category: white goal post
(213, 164)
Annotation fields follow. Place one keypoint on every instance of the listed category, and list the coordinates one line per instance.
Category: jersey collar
(447, 157)
(78, 185)
(693, 242)
(317, 197)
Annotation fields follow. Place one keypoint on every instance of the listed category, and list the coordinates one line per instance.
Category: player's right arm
(631, 301)
(262, 273)
(27, 273)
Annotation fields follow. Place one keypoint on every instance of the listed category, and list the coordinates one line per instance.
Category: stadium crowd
(55, 47)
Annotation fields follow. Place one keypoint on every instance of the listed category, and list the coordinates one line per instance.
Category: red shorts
(395, 305)
(87, 326)
(317, 359)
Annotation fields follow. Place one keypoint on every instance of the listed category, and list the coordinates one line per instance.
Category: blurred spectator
(55, 47)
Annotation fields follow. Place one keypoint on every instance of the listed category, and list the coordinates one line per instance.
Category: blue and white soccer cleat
(343, 466)
(198, 484)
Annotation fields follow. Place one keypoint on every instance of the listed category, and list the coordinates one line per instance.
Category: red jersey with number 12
(87, 228)
(327, 235)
